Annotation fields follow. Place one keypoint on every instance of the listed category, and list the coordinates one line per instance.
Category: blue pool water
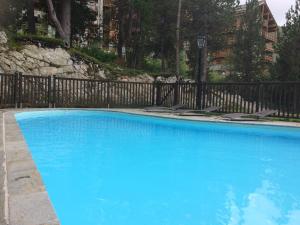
(103, 168)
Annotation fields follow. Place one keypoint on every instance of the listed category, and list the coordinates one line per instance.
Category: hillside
(36, 59)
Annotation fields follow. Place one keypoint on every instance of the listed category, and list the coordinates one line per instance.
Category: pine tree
(210, 18)
(249, 48)
(11, 14)
(287, 67)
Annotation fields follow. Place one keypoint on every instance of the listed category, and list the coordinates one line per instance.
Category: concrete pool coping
(23, 196)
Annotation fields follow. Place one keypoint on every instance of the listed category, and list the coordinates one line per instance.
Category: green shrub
(214, 76)
(152, 65)
(44, 41)
(99, 54)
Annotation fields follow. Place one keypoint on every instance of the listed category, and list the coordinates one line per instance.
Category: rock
(5, 67)
(101, 74)
(57, 58)
(36, 60)
(3, 38)
(160, 79)
(149, 78)
(48, 71)
(67, 69)
(33, 52)
(35, 72)
(17, 55)
(171, 80)
(5, 61)
(3, 48)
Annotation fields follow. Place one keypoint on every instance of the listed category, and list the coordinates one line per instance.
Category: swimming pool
(106, 168)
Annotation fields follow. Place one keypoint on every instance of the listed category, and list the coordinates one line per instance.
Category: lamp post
(201, 44)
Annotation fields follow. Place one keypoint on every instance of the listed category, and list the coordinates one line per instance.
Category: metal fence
(17, 90)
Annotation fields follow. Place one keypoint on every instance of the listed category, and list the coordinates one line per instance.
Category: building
(106, 24)
(269, 31)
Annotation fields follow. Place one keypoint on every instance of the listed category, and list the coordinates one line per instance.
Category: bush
(152, 65)
(99, 54)
(44, 41)
(214, 76)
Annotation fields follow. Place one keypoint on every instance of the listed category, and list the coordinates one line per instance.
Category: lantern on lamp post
(201, 43)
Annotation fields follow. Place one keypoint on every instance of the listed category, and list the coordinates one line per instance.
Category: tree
(287, 67)
(134, 18)
(178, 38)
(63, 25)
(11, 14)
(166, 28)
(30, 17)
(82, 20)
(248, 57)
(209, 18)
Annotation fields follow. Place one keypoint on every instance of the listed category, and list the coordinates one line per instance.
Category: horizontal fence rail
(18, 90)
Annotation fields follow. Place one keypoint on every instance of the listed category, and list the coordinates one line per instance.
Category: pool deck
(23, 196)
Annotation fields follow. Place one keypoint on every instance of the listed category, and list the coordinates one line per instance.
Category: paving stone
(31, 209)
(25, 182)
(28, 200)
(17, 155)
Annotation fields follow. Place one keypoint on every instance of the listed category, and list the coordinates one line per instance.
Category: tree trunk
(178, 39)
(66, 19)
(30, 17)
(53, 17)
(100, 20)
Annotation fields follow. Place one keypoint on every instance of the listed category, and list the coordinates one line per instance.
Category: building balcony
(270, 36)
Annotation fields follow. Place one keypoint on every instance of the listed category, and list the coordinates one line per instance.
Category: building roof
(242, 8)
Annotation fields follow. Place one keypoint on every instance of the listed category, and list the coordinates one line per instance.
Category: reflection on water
(260, 208)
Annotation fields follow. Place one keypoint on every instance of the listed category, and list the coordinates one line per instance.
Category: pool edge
(28, 202)
(20, 167)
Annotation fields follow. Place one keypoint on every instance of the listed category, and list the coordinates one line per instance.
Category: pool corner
(27, 200)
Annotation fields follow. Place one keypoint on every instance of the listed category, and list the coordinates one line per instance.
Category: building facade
(269, 30)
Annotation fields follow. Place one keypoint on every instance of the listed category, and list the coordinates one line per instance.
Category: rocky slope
(35, 60)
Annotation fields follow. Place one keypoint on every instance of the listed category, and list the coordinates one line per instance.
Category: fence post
(15, 88)
(108, 94)
(296, 107)
(176, 93)
(258, 99)
(49, 91)
(153, 92)
(199, 95)
(54, 92)
(158, 93)
(20, 89)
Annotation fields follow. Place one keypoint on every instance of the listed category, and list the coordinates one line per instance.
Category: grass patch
(294, 120)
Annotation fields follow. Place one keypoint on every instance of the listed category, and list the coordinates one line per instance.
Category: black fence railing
(17, 90)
